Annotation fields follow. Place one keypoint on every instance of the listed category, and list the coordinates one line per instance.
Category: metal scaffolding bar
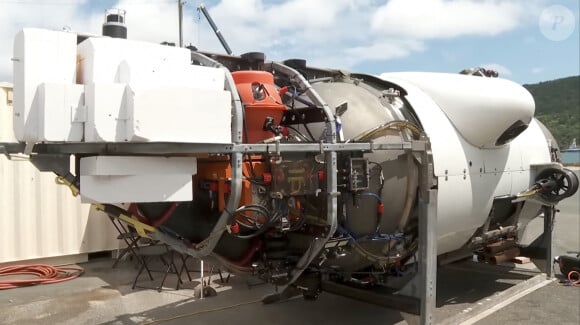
(549, 213)
(427, 256)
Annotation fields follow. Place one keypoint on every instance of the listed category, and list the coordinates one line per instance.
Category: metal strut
(216, 30)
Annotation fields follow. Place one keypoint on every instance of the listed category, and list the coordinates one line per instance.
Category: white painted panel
(40, 56)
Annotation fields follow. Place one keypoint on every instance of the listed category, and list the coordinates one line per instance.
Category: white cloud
(319, 31)
(536, 70)
(502, 70)
(385, 50)
(439, 19)
(146, 20)
(330, 33)
(15, 16)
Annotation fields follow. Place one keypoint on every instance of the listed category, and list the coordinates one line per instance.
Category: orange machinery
(261, 102)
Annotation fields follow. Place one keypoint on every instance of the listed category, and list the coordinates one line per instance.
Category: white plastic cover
(491, 104)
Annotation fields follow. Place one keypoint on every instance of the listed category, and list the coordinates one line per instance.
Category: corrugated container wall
(38, 218)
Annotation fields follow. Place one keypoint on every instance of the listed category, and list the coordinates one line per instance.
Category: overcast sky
(525, 40)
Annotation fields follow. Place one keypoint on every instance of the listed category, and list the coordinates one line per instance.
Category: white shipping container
(40, 219)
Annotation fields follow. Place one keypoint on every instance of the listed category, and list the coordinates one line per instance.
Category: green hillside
(558, 107)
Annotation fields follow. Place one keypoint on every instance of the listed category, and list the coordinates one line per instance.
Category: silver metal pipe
(331, 170)
(207, 246)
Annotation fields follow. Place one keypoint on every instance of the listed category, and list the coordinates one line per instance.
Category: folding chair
(167, 257)
(129, 236)
(145, 253)
(213, 269)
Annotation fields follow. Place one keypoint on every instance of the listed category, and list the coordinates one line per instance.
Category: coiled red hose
(44, 274)
(574, 278)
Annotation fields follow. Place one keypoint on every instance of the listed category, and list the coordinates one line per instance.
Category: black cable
(381, 175)
(308, 131)
(258, 230)
(300, 134)
(253, 177)
(293, 107)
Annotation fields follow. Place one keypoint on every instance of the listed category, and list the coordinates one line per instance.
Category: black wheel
(563, 184)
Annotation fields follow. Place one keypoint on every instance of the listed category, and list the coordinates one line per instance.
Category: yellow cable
(63, 181)
(142, 229)
(380, 130)
(157, 321)
(529, 193)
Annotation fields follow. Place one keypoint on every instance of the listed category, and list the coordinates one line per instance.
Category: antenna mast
(180, 11)
(217, 32)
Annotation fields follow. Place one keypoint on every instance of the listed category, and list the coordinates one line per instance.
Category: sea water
(571, 157)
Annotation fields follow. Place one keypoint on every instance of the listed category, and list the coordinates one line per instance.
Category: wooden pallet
(521, 260)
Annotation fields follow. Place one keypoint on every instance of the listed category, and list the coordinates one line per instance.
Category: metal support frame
(424, 291)
(549, 214)
(427, 255)
(426, 277)
(423, 286)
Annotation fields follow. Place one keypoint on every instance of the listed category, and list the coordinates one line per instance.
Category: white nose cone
(487, 112)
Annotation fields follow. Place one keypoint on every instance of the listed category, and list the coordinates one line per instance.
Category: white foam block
(40, 56)
(60, 109)
(141, 76)
(106, 105)
(134, 165)
(181, 114)
(136, 188)
(113, 179)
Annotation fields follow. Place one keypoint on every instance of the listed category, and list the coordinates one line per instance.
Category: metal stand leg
(201, 275)
(428, 255)
(424, 285)
(549, 213)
